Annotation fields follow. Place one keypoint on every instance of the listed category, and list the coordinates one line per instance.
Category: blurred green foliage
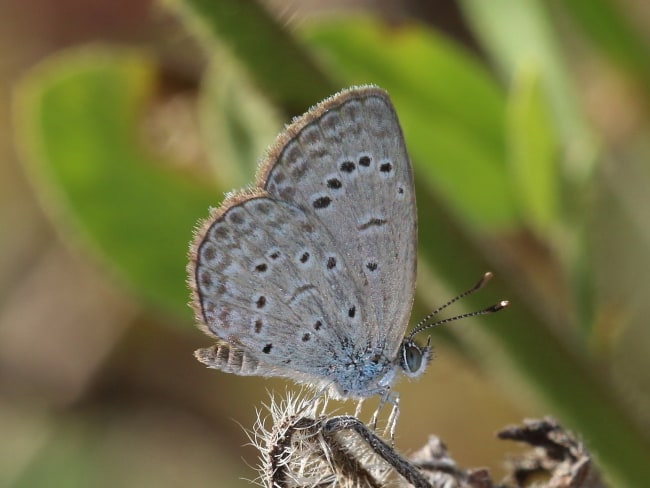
(501, 151)
(80, 133)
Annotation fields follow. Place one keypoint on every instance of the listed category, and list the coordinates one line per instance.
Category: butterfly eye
(412, 357)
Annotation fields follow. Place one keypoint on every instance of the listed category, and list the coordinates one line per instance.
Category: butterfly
(310, 273)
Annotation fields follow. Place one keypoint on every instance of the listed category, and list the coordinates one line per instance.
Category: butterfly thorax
(362, 373)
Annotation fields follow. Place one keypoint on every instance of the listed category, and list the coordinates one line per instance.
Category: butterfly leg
(391, 424)
(373, 419)
(357, 411)
(385, 397)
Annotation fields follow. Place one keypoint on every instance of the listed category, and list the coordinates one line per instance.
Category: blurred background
(122, 122)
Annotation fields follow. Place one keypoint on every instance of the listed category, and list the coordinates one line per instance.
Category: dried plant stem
(383, 450)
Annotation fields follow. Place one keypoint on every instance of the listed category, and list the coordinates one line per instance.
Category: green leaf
(238, 122)
(78, 116)
(518, 33)
(533, 151)
(450, 108)
(275, 61)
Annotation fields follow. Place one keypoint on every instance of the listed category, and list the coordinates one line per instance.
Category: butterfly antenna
(422, 324)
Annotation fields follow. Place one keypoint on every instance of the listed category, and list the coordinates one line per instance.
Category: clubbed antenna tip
(483, 281)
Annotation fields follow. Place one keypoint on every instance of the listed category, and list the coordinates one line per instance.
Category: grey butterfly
(310, 274)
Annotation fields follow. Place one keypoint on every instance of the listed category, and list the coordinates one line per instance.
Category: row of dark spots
(263, 267)
(349, 166)
(259, 324)
(305, 337)
(346, 167)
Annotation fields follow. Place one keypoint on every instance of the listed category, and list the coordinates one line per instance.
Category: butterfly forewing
(348, 167)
